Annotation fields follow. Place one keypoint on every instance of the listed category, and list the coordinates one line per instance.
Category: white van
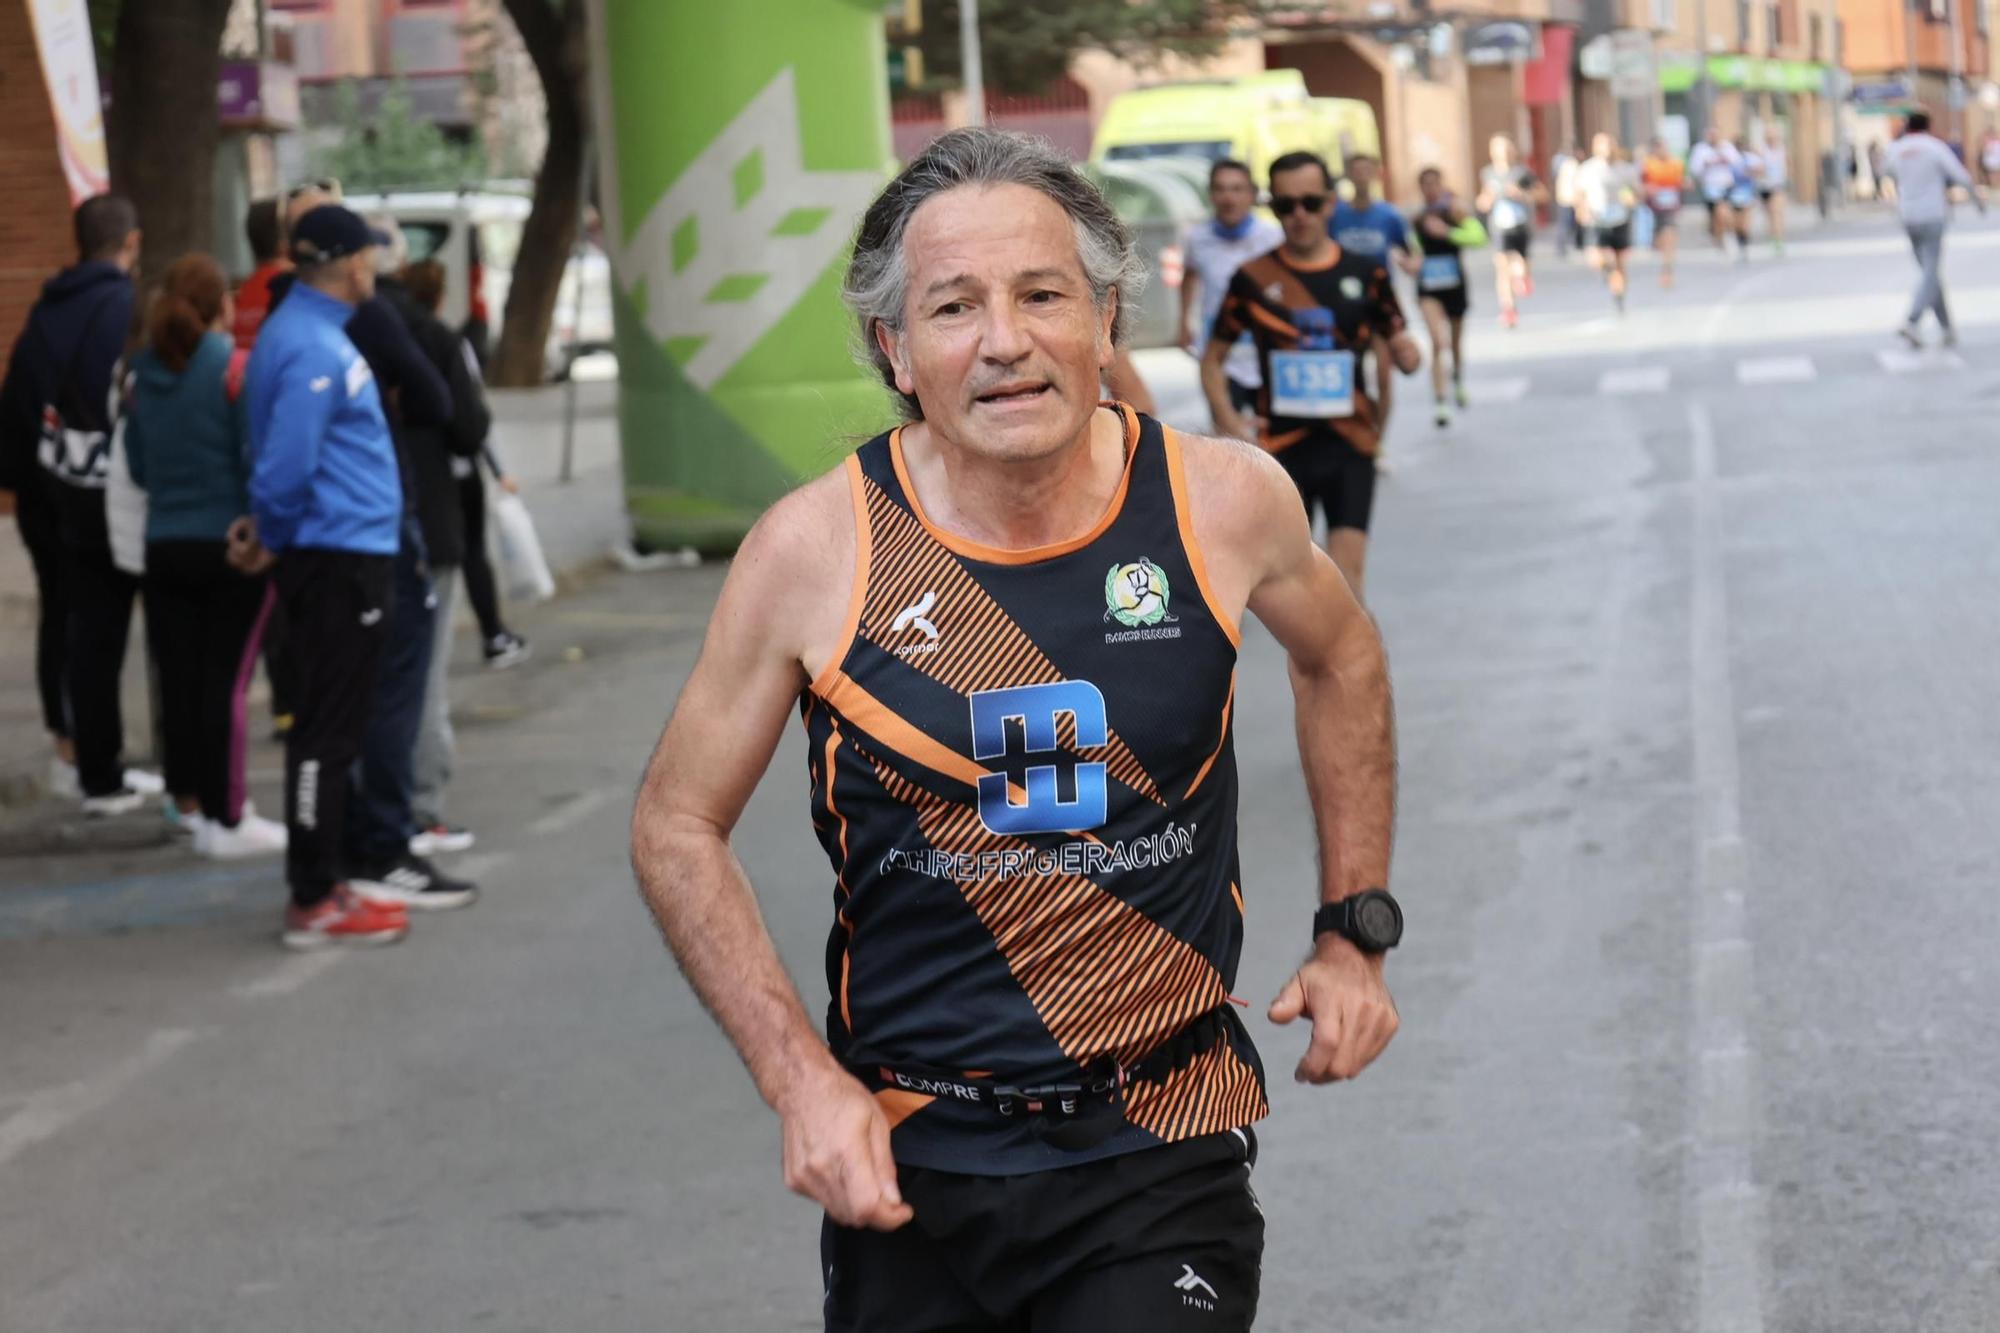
(475, 235)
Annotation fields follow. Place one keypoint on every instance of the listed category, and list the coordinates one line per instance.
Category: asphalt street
(1690, 621)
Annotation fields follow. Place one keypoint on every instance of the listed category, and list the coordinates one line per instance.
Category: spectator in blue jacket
(184, 446)
(328, 505)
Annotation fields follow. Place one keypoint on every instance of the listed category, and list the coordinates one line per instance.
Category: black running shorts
(1454, 300)
(1516, 240)
(1612, 238)
(1334, 477)
(1166, 1240)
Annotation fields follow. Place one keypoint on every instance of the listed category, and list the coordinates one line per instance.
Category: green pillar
(738, 145)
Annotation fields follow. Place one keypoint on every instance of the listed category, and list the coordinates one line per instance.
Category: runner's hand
(1353, 1017)
(1247, 427)
(1403, 350)
(837, 1153)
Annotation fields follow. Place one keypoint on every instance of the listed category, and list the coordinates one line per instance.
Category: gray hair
(878, 273)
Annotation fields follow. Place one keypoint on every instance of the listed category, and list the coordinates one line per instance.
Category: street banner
(69, 69)
(739, 145)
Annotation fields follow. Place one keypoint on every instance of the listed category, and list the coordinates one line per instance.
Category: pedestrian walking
(1072, 934)
(435, 453)
(1443, 231)
(1607, 188)
(326, 498)
(1663, 187)
(1989, 158)
(185, 447)
(58, 402)
(1924, 170)
(1508, 195)
(1372, 228)
(1317, 312)
(1215, 249)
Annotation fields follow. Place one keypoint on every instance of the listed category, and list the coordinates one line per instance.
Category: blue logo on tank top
(1038, 707)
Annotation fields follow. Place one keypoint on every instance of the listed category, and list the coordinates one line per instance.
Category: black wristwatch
(1371, 920)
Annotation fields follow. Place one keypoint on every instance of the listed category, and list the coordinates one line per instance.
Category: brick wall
(35, 237)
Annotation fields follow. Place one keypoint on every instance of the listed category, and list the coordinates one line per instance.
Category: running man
(1441, 287)
(1606, 189)
(1924, 170)
(1022, 774)
(1372, 229)
(1774, 184)
(1316, 311)
(1714, 165)
(1508, 194)
(1215, 250)
(1663, 182)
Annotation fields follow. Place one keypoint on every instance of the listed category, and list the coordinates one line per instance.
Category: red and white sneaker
(344, 918)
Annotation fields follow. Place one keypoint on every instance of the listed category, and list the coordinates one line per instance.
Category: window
(1742, 25)
(1816, 28)
(1774, 31)
(1664, 18)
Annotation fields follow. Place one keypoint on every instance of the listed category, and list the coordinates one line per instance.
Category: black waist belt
(1073, 1113)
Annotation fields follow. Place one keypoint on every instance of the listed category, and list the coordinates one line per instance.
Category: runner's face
(1232, 196)
(1002, 343)
(1305, 230)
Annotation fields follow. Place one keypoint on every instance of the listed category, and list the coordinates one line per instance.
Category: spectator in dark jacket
(55, 439)
(435, 455)
(185, 446)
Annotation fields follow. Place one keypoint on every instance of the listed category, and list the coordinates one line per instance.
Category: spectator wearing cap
(327, 504)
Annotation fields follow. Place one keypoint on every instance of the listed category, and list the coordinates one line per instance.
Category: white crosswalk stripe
(1776, 370)
(1635, 379)
(1912, 361)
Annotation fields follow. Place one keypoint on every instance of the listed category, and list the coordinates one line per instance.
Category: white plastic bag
(524, 571)
(124, 509)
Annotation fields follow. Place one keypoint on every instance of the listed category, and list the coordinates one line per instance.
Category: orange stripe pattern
(979, 647)
(1214, 1091)
(1103, 978)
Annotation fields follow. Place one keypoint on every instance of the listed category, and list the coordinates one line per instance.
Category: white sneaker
(252, 836)
(63, 780)
(1443, 414)
(1950, 338)
(1908, 333)
(121, 802)
(185, 824)
(146, 784)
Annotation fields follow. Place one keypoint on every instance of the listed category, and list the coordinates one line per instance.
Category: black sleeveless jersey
(1022, 773)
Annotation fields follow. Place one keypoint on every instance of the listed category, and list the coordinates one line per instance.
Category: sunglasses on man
(1283, 204)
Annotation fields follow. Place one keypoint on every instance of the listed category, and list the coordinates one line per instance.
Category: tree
(1026, 44)
(165, 61)
(393, 148)
(553, 32)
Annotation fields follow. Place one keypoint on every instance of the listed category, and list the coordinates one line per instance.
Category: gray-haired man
(1011, 627)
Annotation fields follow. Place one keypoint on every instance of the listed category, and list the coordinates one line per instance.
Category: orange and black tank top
(1022, 773)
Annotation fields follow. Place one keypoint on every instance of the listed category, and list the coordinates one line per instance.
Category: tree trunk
(553, 32)
(165, 62)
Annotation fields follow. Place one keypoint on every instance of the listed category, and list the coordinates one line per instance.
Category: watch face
(1376, 921)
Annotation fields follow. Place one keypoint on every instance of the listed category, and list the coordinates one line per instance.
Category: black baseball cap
(331, 232)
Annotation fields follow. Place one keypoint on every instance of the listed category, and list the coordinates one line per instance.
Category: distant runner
(1440, 232)
(1508, 194)
(1372, 229)
(1215, 250)
(1316, 312)
(1606, 189)
(1663, 180)
(1924, 170)
(1715, 165)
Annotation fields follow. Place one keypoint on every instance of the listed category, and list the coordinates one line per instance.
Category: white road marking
(569, 812)
(1498, 391)
(51, 1111)
(1635, 379)
(1776, 370)
(1915, 361)
(287, 976)
(1732, 1263)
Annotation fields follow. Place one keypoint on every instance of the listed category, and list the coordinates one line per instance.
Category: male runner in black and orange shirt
(1010, 627)
(1316, 313)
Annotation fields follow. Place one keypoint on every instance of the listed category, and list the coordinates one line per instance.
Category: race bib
(1507, 215)
(1438, 273)
(1666, 200)
(1742, 196)
(1315, 385)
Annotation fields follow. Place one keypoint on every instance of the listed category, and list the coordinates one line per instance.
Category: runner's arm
(716, 746)
(1388, 317)
(1190, 289)
(1247, 515)
(1215, 378)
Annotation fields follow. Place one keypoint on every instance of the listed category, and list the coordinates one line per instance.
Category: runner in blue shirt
(1372, 229)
